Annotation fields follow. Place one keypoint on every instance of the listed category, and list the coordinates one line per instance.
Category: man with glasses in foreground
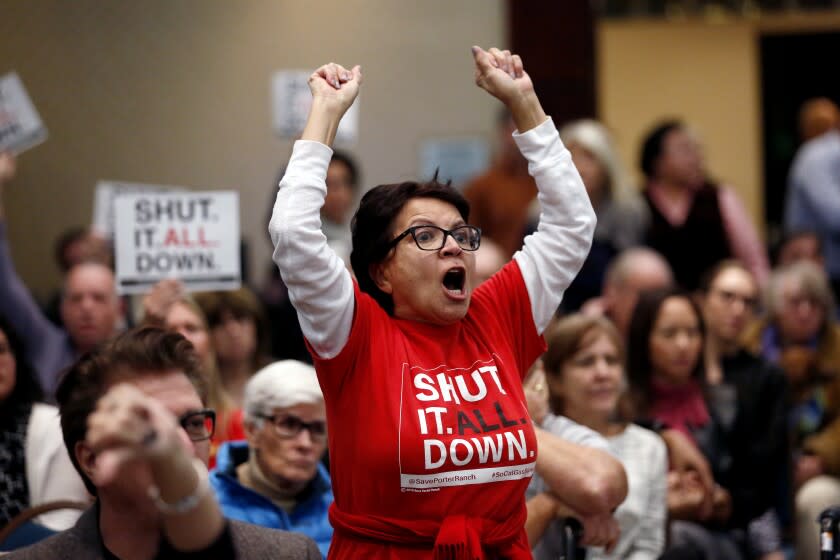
(136, 428)
(275, 478)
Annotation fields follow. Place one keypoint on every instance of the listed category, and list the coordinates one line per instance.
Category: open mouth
(454, 281)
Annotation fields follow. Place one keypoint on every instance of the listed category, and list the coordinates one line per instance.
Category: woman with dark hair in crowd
(668, 384)
(239, 335)
(430, 443)
(34, 466)
(694, 222)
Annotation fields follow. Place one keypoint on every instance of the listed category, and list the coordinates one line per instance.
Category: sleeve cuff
(309, 158)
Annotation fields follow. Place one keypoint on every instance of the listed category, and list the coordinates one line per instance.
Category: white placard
(192, 236)
(107, 192)
(290, 101)
(455, 159)
(20, 126)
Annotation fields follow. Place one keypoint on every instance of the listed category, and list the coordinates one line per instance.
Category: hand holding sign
(20, 126)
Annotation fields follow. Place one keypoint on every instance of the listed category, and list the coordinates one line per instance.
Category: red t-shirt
(230, 427)
(430, 421)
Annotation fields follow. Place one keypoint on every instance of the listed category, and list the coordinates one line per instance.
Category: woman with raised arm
(430, 443)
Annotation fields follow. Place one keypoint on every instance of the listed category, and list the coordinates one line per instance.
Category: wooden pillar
(556, 40)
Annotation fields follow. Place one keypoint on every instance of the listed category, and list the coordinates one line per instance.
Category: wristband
(187, 503)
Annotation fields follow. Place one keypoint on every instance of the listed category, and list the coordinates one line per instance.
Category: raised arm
(41, 337)
(553, 255)
(319, 285)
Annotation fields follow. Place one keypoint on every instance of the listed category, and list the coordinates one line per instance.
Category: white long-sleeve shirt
(321, 288)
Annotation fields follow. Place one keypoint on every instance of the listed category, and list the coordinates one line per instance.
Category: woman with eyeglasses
(748, 396)
(431, 446)
(275, 478)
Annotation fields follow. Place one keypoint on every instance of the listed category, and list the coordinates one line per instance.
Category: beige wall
(178, 93)
(706, 74)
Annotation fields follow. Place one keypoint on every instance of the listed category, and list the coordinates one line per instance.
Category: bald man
(632, 272)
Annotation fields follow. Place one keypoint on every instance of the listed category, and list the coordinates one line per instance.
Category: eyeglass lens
(198, 425)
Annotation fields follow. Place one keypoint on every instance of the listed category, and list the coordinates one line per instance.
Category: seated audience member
(667, 382)
(802, 336)
(168, 306)
(634, 271)
(489, 259)
(800, 245)
(34, 466)
(622, 214)
(239, 334)
(134, 421)
(813, 196)
(585, 377)
(694, 222)
(749, 397)
(275, 479)
(90, 308)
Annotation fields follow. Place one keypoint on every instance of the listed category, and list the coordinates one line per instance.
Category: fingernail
(474, 49)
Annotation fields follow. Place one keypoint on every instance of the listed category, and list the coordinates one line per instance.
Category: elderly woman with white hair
(622, 215)
(802, 335)
(275, 478)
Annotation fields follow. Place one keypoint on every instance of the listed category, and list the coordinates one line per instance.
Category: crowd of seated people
(703, 365)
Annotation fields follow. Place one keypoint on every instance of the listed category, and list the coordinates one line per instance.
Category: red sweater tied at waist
(456, 537)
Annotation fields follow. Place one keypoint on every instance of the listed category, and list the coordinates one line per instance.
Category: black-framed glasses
(433, 238)
(200, 425)
(289, 426)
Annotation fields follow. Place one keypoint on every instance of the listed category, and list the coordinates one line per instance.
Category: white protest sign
(192, 236)
(20, 126)
(107, 192)
(290, 101)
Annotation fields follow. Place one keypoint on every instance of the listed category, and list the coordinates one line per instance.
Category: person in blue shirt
(813, 197)
(275, 478)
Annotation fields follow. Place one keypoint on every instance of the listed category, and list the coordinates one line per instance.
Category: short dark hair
(373, 224)
(64, 241)
(350, 163)
(639, 364)
(790, 236)
(144, 351)
(27, 389)
(653, 144)
(717, 269)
